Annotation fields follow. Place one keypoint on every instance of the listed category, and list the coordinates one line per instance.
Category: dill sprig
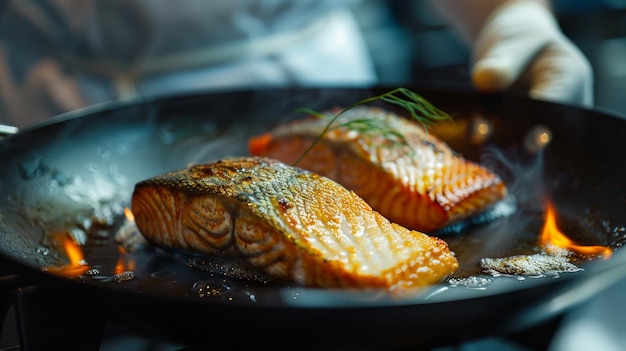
(418, 107)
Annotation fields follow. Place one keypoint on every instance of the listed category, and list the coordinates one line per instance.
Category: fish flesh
(289, 223)
(420, 183)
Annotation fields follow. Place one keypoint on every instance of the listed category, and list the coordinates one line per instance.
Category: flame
(129, 214)
(552, 237)
(74, 253)
(77, 265)
(124, 262)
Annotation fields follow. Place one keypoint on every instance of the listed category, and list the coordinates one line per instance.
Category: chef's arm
(519, 44)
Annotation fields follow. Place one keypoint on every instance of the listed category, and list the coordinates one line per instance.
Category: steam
(522, 171)
(224, 129)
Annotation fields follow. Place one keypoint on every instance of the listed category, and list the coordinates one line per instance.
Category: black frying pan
(78, 171)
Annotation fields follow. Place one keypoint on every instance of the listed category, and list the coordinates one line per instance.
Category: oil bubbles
(224, 290)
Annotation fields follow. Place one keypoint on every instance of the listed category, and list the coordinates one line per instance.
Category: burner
(48, 320)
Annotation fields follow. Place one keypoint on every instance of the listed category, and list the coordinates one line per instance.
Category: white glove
(518, 43)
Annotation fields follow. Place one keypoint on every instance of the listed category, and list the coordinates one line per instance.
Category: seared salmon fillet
(291, 224)
(420, 183)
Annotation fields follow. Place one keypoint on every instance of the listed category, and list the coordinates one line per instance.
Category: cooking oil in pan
(117, 255)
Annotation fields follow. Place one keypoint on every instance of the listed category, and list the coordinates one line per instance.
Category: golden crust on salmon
(421, 184)
(291, 224)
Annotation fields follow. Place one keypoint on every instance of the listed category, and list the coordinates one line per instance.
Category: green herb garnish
(419, 109)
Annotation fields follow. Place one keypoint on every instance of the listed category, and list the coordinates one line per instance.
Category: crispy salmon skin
(291, 224)
(421, 183)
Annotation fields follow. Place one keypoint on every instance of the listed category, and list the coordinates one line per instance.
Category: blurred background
(425, 50)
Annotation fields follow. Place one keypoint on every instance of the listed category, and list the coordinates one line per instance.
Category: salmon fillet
(291, 224)
(421, 184)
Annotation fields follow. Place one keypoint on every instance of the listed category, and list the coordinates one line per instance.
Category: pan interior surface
(73, 177)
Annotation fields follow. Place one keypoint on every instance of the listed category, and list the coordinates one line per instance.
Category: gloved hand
(518, 44)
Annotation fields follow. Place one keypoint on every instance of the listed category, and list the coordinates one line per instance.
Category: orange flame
(124, 262)
(129, 214)
(77, 264)
(552, 237)
(73, 252)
